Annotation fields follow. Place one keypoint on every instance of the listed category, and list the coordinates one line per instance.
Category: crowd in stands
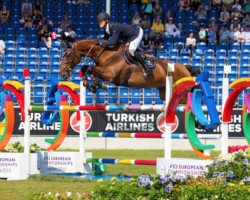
(211, 22)
(218, 21)
(32, 16)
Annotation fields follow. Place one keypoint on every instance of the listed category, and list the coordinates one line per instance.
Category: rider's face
(102, 23)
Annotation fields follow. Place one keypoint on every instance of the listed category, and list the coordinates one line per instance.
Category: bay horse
(111, 66)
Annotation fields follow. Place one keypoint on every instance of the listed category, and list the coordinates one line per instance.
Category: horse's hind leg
(162, 93)
(162, 96)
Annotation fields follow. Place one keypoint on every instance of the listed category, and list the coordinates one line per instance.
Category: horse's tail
(193, 70)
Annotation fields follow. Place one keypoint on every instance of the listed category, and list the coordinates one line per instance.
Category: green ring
(192, 135)
(246, 127)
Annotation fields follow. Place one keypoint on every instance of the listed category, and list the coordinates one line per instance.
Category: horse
(112, 67)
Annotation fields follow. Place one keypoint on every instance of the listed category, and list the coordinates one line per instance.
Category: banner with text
(103, 121)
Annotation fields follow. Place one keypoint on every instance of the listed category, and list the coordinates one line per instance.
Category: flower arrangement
(14, 148)
(174, 187)
(232, 149)
(63, 196)
(17, 148)
(233, 167)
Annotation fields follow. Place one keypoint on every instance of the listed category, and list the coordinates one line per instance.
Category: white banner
(183, 166)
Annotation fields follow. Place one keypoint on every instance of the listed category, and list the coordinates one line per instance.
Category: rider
(130, 33)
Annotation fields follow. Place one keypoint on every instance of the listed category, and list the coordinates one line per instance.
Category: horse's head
(72, 56)
(68, 61)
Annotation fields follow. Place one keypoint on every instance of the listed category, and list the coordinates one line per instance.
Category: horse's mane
(91, 41)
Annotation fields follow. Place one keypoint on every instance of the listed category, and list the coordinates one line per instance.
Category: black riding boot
(148, 70)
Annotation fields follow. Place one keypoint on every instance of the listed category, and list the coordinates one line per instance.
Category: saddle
(148, 57)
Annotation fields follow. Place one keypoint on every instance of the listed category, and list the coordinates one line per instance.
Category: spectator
(235, 35)
(212, 37)
(157, 17)
(63, 24)
(145, 24)
(246, 18)
(228, 4)
(136, 19)
(171, 29)
(216, 4)
(4, 14)
(26, 21)
(224, 34)
(168, 16)
(183, 5)
(41, 23)
(45, 35)
(157, 27)
(158, 42)
(236, 13)
(38, 8)
(245, 24)
(194, 4)
(246, 7)
(202, 35)
(201, 13)
(36, 18)
(2, 49)
(237, 5)
(157, 9)
(213, 24)
(26, 8)
(224, 15)
(68, 37)
(191, 43)
(235, 24)
(146, 42)
(147, 8)
(245, 35)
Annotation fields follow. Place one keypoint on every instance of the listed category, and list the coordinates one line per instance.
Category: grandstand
(23, 50)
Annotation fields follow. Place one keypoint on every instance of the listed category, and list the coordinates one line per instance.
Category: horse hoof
(92, 89)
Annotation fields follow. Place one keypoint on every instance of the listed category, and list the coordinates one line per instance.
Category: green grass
(22, 190)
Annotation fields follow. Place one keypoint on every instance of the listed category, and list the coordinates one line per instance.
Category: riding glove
(104, 45)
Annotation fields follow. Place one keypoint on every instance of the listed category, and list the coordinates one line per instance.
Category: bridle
(68, 53)
(71, 54)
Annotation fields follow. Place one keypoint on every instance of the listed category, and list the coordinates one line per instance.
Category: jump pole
(168, 95)
(108, 6)
(224, 125)
(27, 84)
(82, 133)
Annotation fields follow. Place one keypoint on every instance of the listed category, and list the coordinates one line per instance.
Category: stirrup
(147, 73)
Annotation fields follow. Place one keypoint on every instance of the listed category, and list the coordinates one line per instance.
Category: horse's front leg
(91, 88)
(95, 81)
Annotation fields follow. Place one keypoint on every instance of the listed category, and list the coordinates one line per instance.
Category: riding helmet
(103, 16)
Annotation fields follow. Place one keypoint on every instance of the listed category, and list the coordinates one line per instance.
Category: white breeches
(135, 43)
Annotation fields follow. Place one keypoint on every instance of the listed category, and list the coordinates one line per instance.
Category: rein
(94, 58)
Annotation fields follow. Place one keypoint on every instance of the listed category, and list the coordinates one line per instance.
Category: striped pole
(120, 161)
(148, 135)
(98, 107)
(160, 108)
